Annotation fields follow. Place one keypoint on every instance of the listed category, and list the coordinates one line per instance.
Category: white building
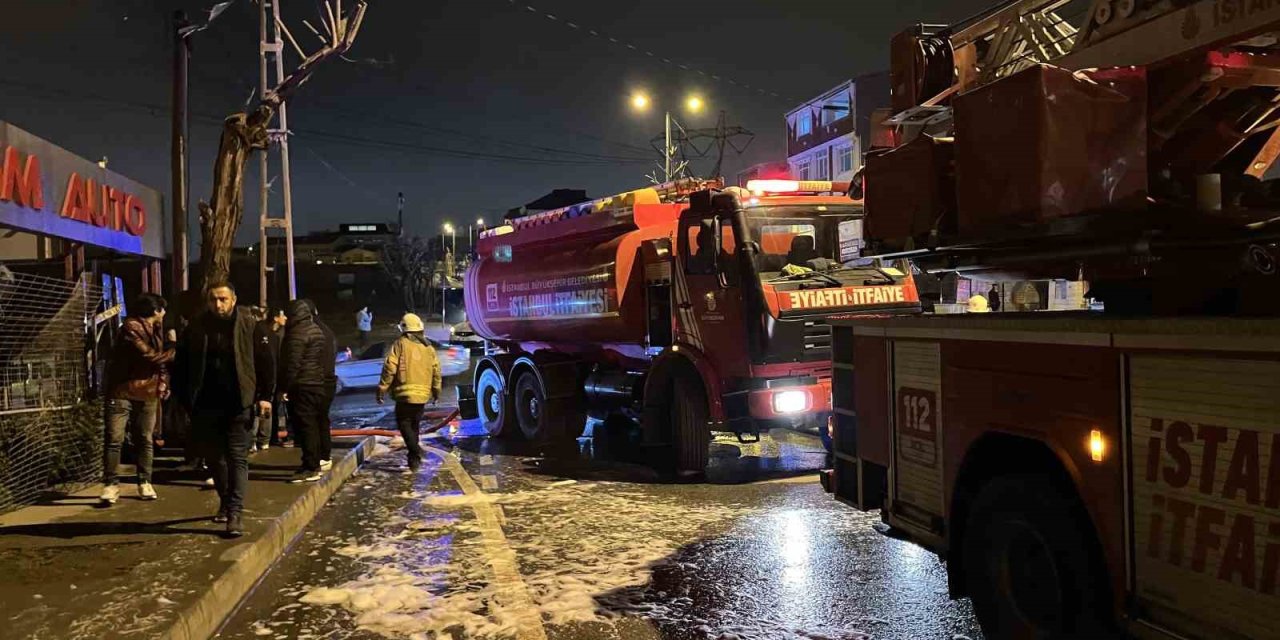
(826, 136)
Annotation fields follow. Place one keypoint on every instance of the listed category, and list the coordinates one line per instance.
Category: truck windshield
(795, 235)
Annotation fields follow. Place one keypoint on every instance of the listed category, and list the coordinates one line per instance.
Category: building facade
(826, 136)
(357, 243)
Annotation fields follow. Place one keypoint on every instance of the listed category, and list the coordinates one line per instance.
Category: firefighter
(411, 373)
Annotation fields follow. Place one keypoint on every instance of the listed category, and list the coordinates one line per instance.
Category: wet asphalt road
(489, 540)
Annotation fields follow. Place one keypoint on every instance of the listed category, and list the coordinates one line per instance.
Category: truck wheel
(531, 407)
(1027, 564)
(689, 429)
(495, 408)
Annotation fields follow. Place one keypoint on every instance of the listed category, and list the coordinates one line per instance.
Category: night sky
(468, 107)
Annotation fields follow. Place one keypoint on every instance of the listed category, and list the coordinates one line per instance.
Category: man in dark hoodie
(306, 364)
(331, 385)
(223, 377)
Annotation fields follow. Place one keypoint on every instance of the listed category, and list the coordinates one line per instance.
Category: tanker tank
(568, 279)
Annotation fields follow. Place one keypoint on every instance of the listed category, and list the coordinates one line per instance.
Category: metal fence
(50, 427)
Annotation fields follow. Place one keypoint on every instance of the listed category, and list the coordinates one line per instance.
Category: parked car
(361, 370)
(460, 333)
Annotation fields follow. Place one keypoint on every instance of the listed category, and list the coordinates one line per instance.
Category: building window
(801, 170)
(844, 159)
(821, 165)
(835, 109)
(804, 124)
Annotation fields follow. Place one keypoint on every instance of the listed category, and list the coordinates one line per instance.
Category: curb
(204, 618)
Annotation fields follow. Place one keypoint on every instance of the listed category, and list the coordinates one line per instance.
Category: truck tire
(1028, 564)
(531, 407)
(494, 404)
(689, 429)
(542, 420)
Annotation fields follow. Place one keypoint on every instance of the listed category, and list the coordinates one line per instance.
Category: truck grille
(817, 335)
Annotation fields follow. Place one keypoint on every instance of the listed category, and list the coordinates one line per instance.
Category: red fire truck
(1083, 474)
(687, 307)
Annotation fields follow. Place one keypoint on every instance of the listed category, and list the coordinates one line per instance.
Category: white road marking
(489, 482)
(508, 584)
(486, 460)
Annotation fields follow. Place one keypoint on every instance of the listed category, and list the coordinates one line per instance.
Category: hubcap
(494, 405)
(534, 407)
(1031, 577)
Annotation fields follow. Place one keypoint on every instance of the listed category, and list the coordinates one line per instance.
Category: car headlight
(792, 401)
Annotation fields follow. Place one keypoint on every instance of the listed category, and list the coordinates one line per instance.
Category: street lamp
(693, 104)
(453, 238)
(479, 226)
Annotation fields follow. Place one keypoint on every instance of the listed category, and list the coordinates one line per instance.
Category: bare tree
(246, 132)
(405, 259)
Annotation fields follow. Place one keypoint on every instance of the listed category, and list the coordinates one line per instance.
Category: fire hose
(391, 433)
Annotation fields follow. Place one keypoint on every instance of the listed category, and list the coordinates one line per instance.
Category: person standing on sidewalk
(137, 380)
(225, 378)
(271, 331)
(411, 374)
(330, 354)
(364, 323)
(304, 383)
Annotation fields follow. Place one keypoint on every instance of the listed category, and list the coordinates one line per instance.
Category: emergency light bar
(762, 187)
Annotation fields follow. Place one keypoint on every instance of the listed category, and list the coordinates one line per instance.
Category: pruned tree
(248, 131)
(405, 259)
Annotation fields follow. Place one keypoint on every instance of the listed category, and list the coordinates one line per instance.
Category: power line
(632, 47)
(429, 150)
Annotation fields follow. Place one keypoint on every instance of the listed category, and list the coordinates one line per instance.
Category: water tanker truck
(686, 308)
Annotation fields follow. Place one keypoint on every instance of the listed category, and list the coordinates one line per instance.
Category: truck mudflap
(1204, 460)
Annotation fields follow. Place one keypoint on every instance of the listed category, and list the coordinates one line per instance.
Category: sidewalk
(153, 569)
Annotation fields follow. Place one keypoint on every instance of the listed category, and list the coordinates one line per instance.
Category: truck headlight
(793, 401)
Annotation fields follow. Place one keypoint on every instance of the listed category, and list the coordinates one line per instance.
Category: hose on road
(391, 433)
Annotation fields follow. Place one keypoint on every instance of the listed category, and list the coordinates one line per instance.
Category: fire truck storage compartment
(1047, 143)
(910, 190)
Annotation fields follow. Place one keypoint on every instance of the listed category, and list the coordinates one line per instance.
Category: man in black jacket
(272, 332)
(331, 385)
(224, 376)
(304, 376)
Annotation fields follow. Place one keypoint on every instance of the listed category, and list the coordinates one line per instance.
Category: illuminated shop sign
(47, 190)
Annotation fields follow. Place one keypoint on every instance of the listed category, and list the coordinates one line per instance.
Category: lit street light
(479, 225)
(448, 228)
(693, 104)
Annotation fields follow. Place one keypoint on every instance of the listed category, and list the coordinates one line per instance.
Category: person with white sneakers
(137, 380)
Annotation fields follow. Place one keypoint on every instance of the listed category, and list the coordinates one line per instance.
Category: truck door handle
(686, 305)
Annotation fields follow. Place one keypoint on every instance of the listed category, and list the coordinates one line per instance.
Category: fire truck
(686, 307)
(1113, 469)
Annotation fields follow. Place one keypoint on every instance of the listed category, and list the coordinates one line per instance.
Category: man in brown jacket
(137, 379)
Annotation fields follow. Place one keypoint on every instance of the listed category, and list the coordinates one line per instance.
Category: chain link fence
(50, 425)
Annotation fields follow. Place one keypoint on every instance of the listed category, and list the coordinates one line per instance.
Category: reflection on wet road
(491, 541)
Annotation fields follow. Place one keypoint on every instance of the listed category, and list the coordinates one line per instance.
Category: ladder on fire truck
(1213, 57)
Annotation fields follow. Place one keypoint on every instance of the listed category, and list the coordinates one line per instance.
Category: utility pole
(666, 152)
(271, 56)
(400, 214)
(180, 168)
